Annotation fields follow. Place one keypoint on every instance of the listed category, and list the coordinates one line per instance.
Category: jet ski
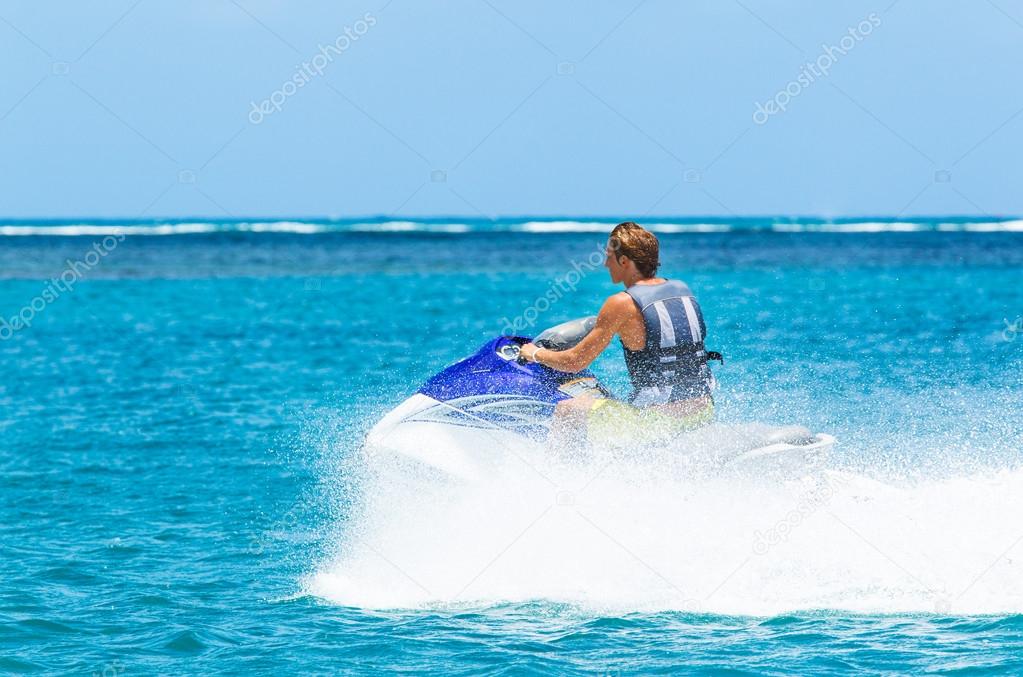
(492, 401)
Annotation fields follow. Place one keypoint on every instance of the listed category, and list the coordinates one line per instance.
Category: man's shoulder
(618, 304)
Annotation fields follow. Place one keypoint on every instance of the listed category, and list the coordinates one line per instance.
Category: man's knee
(575, 408)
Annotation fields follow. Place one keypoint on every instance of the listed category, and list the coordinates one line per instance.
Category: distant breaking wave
(521, 225)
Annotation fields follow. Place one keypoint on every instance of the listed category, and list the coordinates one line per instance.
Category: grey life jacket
(672, 366)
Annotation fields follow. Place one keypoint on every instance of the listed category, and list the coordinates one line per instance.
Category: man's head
(632, 253)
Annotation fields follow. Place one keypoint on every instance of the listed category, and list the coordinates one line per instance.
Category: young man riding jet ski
(662, 332)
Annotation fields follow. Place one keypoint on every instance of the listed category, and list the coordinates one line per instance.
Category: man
(662, 332)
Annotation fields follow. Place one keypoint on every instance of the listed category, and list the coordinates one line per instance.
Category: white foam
(410, 227)
(98, 230)
(997, 226)
(874, 227)
(283, 227)
(161, 229)
(861, 227)
(605, 227)
(691, 227)
(565, 227)
(633, 534)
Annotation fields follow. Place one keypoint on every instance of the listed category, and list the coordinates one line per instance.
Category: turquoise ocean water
(183, 489)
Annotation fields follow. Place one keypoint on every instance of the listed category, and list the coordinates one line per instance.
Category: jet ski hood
(495, 369)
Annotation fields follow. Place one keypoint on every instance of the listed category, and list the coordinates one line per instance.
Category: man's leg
(568, 428)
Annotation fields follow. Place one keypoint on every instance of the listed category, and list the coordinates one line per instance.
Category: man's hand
(528, 352)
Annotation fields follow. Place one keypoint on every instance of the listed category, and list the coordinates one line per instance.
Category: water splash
(622, 532)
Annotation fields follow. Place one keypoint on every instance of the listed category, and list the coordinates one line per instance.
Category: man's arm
(612, 316)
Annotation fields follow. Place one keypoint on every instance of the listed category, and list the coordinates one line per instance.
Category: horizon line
(385, 218)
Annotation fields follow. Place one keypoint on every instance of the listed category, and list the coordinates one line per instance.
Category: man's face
(613, 265)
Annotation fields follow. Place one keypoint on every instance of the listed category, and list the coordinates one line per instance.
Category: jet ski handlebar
(562, 336)
(565, 335)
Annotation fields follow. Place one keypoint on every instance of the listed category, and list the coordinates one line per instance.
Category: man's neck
(637, 279)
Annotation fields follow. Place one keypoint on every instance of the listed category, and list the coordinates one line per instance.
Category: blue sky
(491, 108)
